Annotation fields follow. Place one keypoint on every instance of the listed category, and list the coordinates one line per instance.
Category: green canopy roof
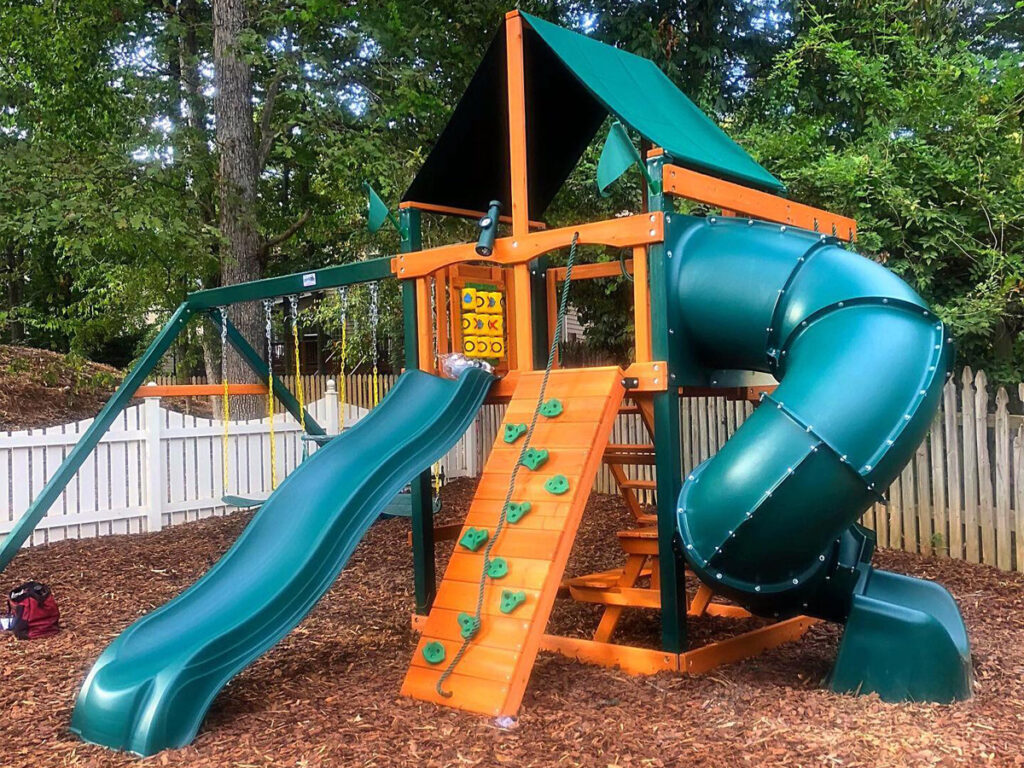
(572, 84)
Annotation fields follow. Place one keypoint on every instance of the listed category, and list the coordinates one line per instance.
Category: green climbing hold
(535, 458)
(551, 408)
(516, 511)
(473, 538)
(433, 652)
(513, 432)
(557, 484)
(511, 600)
(470, 625)
(497, 568)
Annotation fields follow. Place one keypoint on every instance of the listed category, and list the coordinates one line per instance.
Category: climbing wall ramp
(528, 555)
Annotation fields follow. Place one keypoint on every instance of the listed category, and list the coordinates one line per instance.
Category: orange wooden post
(441, 307)
(641, 306)
(520, 201)
(424, 325)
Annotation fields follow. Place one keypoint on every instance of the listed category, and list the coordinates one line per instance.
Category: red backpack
(34, 611)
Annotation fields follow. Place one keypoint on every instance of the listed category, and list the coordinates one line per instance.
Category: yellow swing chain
(293, 301)
(225, 401)
(374, 316)
(270, 395)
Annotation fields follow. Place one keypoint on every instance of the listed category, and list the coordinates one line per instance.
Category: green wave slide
(770, 520)
(151, 688)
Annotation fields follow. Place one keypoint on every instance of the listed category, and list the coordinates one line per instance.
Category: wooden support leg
(612, 614)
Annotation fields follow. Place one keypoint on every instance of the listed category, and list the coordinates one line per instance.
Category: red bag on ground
(34, 610)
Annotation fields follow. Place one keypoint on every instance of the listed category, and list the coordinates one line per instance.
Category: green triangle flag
(377, 210)
(617, 157)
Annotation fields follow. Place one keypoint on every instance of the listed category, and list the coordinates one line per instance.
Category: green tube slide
(151, 688)
(771, 519)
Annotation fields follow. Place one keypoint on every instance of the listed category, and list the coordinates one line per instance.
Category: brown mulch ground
(328, 695)
(39, 388)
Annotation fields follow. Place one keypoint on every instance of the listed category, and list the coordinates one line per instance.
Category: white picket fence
(156, 467)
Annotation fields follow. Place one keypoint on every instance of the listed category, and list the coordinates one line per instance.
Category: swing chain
(267, 310)
(225, 403)
(343, 302)
(374, 317)
(293, 303)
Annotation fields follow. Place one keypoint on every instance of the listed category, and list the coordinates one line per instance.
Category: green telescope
(488, 229)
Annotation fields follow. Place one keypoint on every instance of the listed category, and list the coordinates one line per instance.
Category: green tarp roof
(572, 84)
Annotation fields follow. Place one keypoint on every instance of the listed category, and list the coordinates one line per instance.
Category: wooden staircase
(620, 455)
(493, 673)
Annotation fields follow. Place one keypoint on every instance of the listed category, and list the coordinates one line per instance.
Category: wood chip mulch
(328, 694)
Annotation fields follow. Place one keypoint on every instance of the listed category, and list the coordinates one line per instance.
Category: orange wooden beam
(625, 232)
(465, 213)
(199, 390)
(651, 375)
(592, 271)
(745, 201)
(641, 306)
(749, 394)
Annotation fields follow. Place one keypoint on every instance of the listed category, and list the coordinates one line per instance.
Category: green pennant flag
(377, 211)
(617, 156)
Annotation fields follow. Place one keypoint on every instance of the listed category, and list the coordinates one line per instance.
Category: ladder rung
(631, 447)
(646, 485)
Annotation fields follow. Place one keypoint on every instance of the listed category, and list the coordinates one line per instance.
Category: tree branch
(266, 135)
(275, 241)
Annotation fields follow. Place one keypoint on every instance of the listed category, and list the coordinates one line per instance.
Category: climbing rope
(267, 308)
(293, 302)
(343, 302)
(225, 401)
(374, 317)
(552, 352)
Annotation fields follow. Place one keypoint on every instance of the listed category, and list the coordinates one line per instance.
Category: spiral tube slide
(770, 521)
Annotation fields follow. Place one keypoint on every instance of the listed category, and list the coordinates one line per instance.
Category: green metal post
(42, 503)
(668, 456)
(423, 553)
(253, 359)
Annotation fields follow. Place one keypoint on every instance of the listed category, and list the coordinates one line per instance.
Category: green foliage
(905, 114)
(904, 126)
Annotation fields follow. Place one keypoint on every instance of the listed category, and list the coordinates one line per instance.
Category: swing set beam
(196, 303)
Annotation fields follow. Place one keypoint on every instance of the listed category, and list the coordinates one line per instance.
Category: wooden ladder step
(629, 448)
(640, 485)
(629, 454)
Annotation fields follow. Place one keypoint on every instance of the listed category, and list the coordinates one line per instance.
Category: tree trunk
(240, 249)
